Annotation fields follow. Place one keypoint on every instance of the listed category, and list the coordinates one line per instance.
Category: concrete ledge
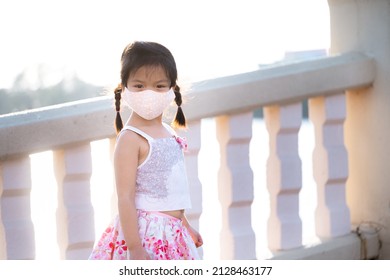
(57, 126)
(280, 85)
(346, 247)
(93, 119)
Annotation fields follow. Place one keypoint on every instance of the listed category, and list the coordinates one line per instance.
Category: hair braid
(180, 120)
(118, 119)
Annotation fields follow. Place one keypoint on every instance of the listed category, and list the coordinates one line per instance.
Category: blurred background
(54, 51)
(59, 51)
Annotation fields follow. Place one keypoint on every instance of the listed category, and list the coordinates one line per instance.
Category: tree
(24, 95)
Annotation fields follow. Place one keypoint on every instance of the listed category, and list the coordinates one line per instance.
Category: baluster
(15, 211)
(3, 242)
(114, 197)
(330, 165)
(75, 216)
(191, 159)
(235, 186)
(193, 136)
(284, 176)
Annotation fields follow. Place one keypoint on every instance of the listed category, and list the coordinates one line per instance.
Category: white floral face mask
(148, 104)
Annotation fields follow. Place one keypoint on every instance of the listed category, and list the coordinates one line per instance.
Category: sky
(208, 39)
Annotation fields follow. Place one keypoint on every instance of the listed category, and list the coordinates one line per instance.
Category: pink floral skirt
(164, 238)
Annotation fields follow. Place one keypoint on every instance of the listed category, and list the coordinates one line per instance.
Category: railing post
(235, 182)
(330, 164)
(284, 176)
(193, 136)
(3, 241)
(75, 216)
(114, 197)
(15, 186)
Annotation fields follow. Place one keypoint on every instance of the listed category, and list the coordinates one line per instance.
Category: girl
(149, 166)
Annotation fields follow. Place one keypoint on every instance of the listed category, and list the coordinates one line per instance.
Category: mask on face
(148, 104)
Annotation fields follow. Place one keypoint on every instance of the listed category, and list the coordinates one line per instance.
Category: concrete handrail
(92, 119)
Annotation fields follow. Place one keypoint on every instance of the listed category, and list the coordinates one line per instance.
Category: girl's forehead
(153, 72)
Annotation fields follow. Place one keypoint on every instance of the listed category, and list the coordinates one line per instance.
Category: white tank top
(161, 183)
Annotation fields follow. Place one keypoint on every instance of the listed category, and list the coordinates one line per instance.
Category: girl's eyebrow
(136, 81)
(160, 81)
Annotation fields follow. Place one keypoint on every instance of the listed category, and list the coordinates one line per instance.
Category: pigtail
(180, 120)
(118, 119)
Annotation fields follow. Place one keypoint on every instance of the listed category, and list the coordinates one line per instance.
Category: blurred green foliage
(23, 97)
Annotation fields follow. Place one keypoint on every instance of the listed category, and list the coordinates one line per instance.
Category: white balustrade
(330, 164)
(284, 176)
(193, 137)
(75, 216)
(235, 186)
(3, 241)
(29, 132)
(16, 209)
(114, 197)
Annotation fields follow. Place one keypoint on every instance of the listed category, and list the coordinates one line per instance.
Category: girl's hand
(139, 253)
(196, 237)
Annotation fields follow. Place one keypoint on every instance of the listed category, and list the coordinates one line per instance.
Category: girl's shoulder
(127, 134)
(128, 138)
(134, 133)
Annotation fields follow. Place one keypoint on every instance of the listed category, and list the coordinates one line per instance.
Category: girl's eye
(138, 86)
(162, 86)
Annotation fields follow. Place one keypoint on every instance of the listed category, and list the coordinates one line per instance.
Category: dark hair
(139, 54)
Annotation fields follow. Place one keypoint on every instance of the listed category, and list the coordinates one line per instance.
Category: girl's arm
(195, 235)
(125, 165)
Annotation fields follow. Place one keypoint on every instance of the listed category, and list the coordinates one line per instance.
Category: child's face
(149, 77)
